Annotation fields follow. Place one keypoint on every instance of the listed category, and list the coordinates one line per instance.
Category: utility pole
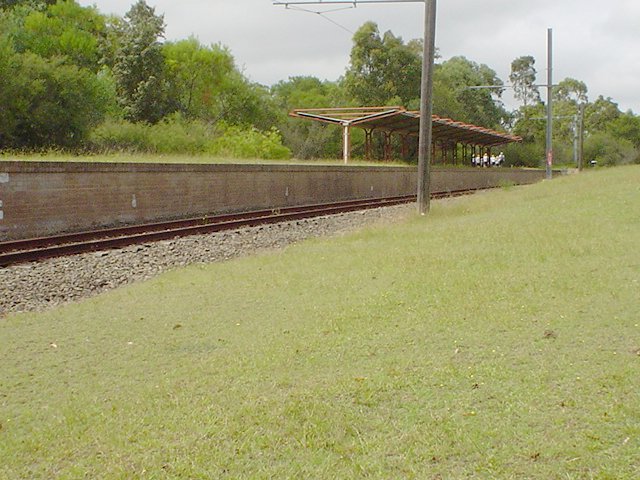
(426, 89)
(426, 109)
(580, 137)
(549, 161)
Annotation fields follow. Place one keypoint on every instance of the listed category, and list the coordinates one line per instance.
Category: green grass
(191, 159)
(496, 338)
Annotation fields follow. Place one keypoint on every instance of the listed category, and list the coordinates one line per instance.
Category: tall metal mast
(549, 150)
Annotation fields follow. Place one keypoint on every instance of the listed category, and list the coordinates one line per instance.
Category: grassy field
(497, 338)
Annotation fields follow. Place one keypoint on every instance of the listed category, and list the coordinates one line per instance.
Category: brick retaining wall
(43, 198)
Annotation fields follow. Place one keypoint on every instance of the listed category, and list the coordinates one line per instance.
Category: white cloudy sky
(594, 41)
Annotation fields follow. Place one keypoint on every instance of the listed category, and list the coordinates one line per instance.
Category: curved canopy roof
(399, 120)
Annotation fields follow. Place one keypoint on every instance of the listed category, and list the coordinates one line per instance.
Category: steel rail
(39, 242)
(34, 249)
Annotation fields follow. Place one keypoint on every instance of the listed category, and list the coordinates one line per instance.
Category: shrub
(175, 135)
(607, 150)
(46, 102)
(523, 155)
(242, 142)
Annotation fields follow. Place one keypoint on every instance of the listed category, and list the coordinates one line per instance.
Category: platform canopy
(398, 120)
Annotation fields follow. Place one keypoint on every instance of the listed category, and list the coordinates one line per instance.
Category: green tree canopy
(49, 91)
(63, 29)
(452, 97)
(531, 123)
(627, 127)
(139, 68)
(599, 114)
(197, 76)
(46, 102)
(523, 79)
(383, 70)
(308, 92)
(7, 4)
(571, 91)
(309, 139)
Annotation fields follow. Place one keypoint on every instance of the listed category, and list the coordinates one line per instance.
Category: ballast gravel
(42, 285)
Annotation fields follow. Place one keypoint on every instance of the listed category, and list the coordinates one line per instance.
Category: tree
(139, 66)
(204, 83)
(531, 123)
(627, 127)
(568, 95)
(599, 114)
(197, 75)
(523, 78)
(46, 102)
(383, 70)
(607, 150)
(309, 139)
(571, 91)
(308, 92)
(10, 90)
(453, 99)
(7, 4)
(63, 29)
(48, 97)
(246, 103)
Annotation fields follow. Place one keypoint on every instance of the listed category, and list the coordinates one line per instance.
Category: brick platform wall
(43, 198)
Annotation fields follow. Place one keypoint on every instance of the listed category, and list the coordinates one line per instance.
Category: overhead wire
(323, 14)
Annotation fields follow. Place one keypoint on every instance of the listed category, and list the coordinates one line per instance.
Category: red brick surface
(43, 198)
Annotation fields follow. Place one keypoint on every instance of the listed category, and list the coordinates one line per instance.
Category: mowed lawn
(498, 337)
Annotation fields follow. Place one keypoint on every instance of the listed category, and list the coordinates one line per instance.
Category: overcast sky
(594, 41)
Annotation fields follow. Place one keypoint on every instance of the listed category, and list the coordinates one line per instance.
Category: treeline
(73, 78)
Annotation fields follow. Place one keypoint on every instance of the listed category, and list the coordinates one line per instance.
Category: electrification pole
(580, 137)
(426, 108)
(426, 88)
(549, 103)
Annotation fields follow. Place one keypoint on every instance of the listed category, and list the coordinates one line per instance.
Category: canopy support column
(405, 146)
(387, 146)
(346, 142)
(368, 142)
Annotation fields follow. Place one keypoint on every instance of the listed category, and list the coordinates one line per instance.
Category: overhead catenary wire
(323, 14)
(340, 2)
(350, 4)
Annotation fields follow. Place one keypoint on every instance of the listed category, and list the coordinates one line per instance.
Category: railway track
(34, 249)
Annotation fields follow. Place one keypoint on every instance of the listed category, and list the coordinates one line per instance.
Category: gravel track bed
(43, 285)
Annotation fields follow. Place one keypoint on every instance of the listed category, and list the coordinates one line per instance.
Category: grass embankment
(497, 338)
(190, 159)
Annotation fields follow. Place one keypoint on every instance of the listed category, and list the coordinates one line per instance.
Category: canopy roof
(399, 120)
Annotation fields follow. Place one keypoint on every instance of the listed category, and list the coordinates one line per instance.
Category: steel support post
(575, 139)
(387, 147)
(549, 160)
(581, 137)
(426, 107)
(346, 142)
(368, 142)
(405, 146)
